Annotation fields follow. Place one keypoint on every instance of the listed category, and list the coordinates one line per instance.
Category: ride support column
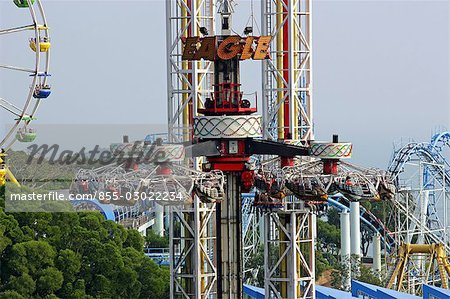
(229, 241)
(345, 248)
(355, 232)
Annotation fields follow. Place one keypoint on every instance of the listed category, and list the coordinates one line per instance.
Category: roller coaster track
(435, 165)
(370, 220)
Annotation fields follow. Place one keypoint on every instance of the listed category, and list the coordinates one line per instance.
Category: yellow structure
(2, 177)
(44, 44)
(5, 173)
(435, 254)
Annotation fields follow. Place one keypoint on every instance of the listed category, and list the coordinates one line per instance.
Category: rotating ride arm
(157, 172)
(316, 178)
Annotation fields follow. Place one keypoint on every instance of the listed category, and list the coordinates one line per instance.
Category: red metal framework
(227, 98)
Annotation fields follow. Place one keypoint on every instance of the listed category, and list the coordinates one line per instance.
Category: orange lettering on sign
(261, 50)
(229, 48)
(207, 49)
(197, 48)
(247, 52)
(190, 48)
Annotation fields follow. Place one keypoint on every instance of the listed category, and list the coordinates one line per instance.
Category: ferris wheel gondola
(21, 110)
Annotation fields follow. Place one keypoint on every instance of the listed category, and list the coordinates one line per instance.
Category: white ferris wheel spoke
(10, 107)
(16, 29)
(15, 68)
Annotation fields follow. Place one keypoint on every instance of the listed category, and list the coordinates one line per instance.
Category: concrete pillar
(355, 238)
(355, 229)
(261, 229)
(376, 253)
(345, 235)
(166, 219)
(345, 248)
(158, 227)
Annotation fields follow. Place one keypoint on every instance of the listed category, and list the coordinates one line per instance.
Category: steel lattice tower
(187, 82)
(287, 77)
(193, 271)
(288, 117)
(287, 113)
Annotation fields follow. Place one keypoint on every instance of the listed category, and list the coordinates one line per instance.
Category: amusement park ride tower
(229, 125)
(228, 133)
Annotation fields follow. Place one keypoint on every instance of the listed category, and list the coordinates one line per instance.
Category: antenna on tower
(226, 9)
(251, 22)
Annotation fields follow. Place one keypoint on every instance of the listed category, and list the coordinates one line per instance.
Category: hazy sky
(381, 68)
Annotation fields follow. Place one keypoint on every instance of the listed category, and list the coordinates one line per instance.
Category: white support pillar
(292, 259)
(345, 248)
(345, 235)
(377, 254)
(261, 229)
(267, 238)
(166, 218)
(355, 229)
(158, 227)
(312, 255)
(291, 9)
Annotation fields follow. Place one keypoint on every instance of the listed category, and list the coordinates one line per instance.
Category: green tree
(101, 287)
(2, 196)
(49, 281)
(69, 263)
(24, 285)
(334, 218)
(358, 271)
(366, 239)
(322, 264)
(153, 286)
(134, 240)
(328, 237)
(153, 240)
(71, 255)
(340, 274)
(11, 295)
(75, 255)
(256, 262)
(366, 274)
(30, 257)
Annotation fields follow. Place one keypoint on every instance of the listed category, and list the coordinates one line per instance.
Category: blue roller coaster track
(434, 165)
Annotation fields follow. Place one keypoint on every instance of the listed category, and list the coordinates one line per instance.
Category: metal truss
(252, 238)
(419, 213)
(192, 243)
(414, 217)
(287, 77)
(416, 205)
(419, 264)
(188, 83)
(289, 256)
(422, 175)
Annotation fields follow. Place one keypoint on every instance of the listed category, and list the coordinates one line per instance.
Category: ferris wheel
(21, 109)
